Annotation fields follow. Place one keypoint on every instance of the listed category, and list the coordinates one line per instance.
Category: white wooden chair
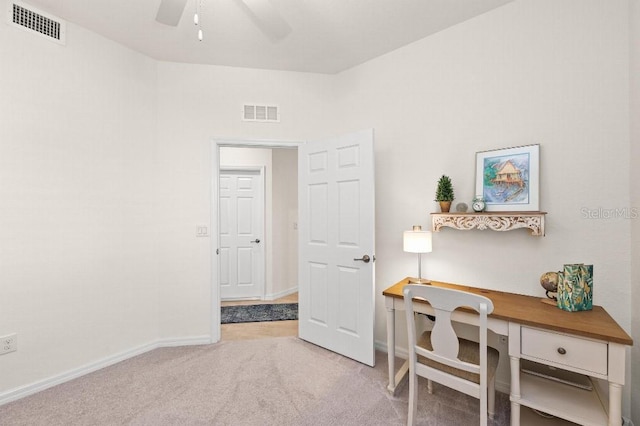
(441, 356)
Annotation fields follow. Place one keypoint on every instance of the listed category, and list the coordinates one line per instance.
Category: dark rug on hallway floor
(258, 313)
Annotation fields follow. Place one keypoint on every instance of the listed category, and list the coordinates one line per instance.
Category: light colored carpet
(279, 381)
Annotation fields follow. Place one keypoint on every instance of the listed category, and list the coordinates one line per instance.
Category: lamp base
(419, 281)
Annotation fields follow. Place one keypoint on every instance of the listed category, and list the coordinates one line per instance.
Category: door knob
(257, 240)
(364, 259)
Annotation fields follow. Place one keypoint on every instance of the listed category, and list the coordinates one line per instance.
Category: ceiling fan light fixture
(195, 18)
(200, 35)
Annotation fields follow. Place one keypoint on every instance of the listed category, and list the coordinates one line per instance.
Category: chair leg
(483, 406)
(491, 397)
(413, 398)
(429, 386)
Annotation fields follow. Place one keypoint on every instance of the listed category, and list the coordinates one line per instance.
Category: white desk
(587, 342)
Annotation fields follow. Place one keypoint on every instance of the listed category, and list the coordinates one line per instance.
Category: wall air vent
(27, 18)
(263, 113)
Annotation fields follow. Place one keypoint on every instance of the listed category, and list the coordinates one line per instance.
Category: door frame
(260, 170)
(216, 144)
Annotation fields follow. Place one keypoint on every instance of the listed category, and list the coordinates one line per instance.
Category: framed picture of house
(508, 179)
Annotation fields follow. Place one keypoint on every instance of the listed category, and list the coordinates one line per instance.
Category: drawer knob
(562, 351)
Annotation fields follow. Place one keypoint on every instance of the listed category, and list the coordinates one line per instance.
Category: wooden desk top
(529, 310)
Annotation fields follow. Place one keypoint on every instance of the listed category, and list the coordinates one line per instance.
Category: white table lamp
(418, 241)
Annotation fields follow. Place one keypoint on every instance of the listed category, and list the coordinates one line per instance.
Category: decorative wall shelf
(495, 221)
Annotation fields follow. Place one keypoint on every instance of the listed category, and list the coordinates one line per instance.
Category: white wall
(285, 219)
(78, 273)
(543, 71)
(197, 104)
(634, 178)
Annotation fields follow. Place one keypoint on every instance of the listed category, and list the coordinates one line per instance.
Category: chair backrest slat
(443, 336)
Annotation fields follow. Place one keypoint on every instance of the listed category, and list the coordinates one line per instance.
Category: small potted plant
(444, 193)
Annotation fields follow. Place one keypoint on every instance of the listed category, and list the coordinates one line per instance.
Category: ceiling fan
(263, 14)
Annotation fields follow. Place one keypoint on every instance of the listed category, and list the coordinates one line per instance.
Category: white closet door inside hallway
(241, 215)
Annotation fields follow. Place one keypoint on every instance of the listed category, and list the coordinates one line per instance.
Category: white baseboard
(400, 352)
(30, 389)
(267, 297)
(184, 341)
(503, 387)
(274, 296)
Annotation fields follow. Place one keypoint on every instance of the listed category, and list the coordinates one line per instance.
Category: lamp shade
(417, 241)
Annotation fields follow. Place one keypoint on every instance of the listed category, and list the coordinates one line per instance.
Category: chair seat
(469, 352)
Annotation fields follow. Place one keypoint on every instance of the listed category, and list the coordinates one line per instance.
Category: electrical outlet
(8, 343)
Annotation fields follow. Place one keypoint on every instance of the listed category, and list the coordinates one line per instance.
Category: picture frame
(508, 179)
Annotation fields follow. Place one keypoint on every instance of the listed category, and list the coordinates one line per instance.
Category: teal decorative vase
(575, 287)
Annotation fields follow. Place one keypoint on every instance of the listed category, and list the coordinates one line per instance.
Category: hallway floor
(260, 330)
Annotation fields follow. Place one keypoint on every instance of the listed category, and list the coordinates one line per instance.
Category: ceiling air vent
(264, 113)
(34, 21)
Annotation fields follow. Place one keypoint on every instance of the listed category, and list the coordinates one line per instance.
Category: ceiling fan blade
(266, 17)
(170, 11)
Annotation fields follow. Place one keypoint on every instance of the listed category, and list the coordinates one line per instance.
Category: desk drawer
(587, 355)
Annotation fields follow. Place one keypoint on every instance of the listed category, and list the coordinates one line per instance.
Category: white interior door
(241, 230)
(336, 236)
